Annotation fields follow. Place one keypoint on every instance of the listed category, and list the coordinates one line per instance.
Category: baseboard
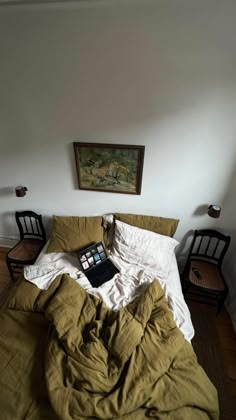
(8, 242)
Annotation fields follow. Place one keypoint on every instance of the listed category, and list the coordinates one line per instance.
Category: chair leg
(221, 303)
(185, 287)
(10, 269)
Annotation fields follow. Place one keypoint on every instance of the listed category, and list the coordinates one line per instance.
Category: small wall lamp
(214, 211)
(20, 191)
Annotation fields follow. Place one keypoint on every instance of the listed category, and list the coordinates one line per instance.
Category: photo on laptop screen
(93, 255)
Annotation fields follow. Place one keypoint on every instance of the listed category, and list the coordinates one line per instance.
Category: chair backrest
(209, 245)
(30, 225)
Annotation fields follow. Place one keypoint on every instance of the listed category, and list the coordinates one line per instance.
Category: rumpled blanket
(130, 364)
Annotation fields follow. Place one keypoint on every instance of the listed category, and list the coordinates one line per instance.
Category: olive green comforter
(64, 355)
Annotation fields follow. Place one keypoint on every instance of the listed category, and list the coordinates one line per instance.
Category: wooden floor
(226, 334)
(214, 343)
(227, 340)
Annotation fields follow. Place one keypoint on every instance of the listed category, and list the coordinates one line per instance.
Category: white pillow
(144, 248)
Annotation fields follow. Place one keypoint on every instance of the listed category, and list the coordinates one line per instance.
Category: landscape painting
(109, 167)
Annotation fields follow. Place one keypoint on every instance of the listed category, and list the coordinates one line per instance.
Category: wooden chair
(32, 240)
(202, 276)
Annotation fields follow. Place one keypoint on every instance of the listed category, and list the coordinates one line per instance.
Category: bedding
(71, 357)
(70, 233)
(161, 225)
(123, 350)
(119, 291)
(144, 248)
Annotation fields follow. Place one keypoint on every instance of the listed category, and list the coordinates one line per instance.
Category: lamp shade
(214, 211)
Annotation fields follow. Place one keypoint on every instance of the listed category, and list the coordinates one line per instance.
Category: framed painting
(113, 168)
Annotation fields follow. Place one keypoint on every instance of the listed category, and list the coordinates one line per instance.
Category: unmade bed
(123, 350)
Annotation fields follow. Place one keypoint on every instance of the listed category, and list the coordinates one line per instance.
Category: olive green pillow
(161, 225)
(71, 233)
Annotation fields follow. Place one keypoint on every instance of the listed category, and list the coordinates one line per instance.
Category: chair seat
(209, 275)
(26, 250)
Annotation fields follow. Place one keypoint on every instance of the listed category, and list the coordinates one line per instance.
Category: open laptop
(96, 265)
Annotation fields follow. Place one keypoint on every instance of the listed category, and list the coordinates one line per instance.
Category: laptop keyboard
(103, 273)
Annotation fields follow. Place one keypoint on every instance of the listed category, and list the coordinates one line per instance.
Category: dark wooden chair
(32, 240)
(202, 276)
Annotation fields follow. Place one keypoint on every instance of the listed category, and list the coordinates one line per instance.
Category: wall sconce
(21, 191)
(214, 211)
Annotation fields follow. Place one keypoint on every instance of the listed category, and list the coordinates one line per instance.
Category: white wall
(154, 73)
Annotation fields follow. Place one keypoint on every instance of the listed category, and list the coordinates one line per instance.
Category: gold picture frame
(116, 168)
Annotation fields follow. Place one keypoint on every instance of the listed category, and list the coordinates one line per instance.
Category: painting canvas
(109, 167)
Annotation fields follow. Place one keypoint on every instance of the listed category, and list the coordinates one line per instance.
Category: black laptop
(96, 265)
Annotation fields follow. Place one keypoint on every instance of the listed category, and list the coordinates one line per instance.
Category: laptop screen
(92, 256)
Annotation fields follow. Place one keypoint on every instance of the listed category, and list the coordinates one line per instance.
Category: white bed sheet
(120, 290)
